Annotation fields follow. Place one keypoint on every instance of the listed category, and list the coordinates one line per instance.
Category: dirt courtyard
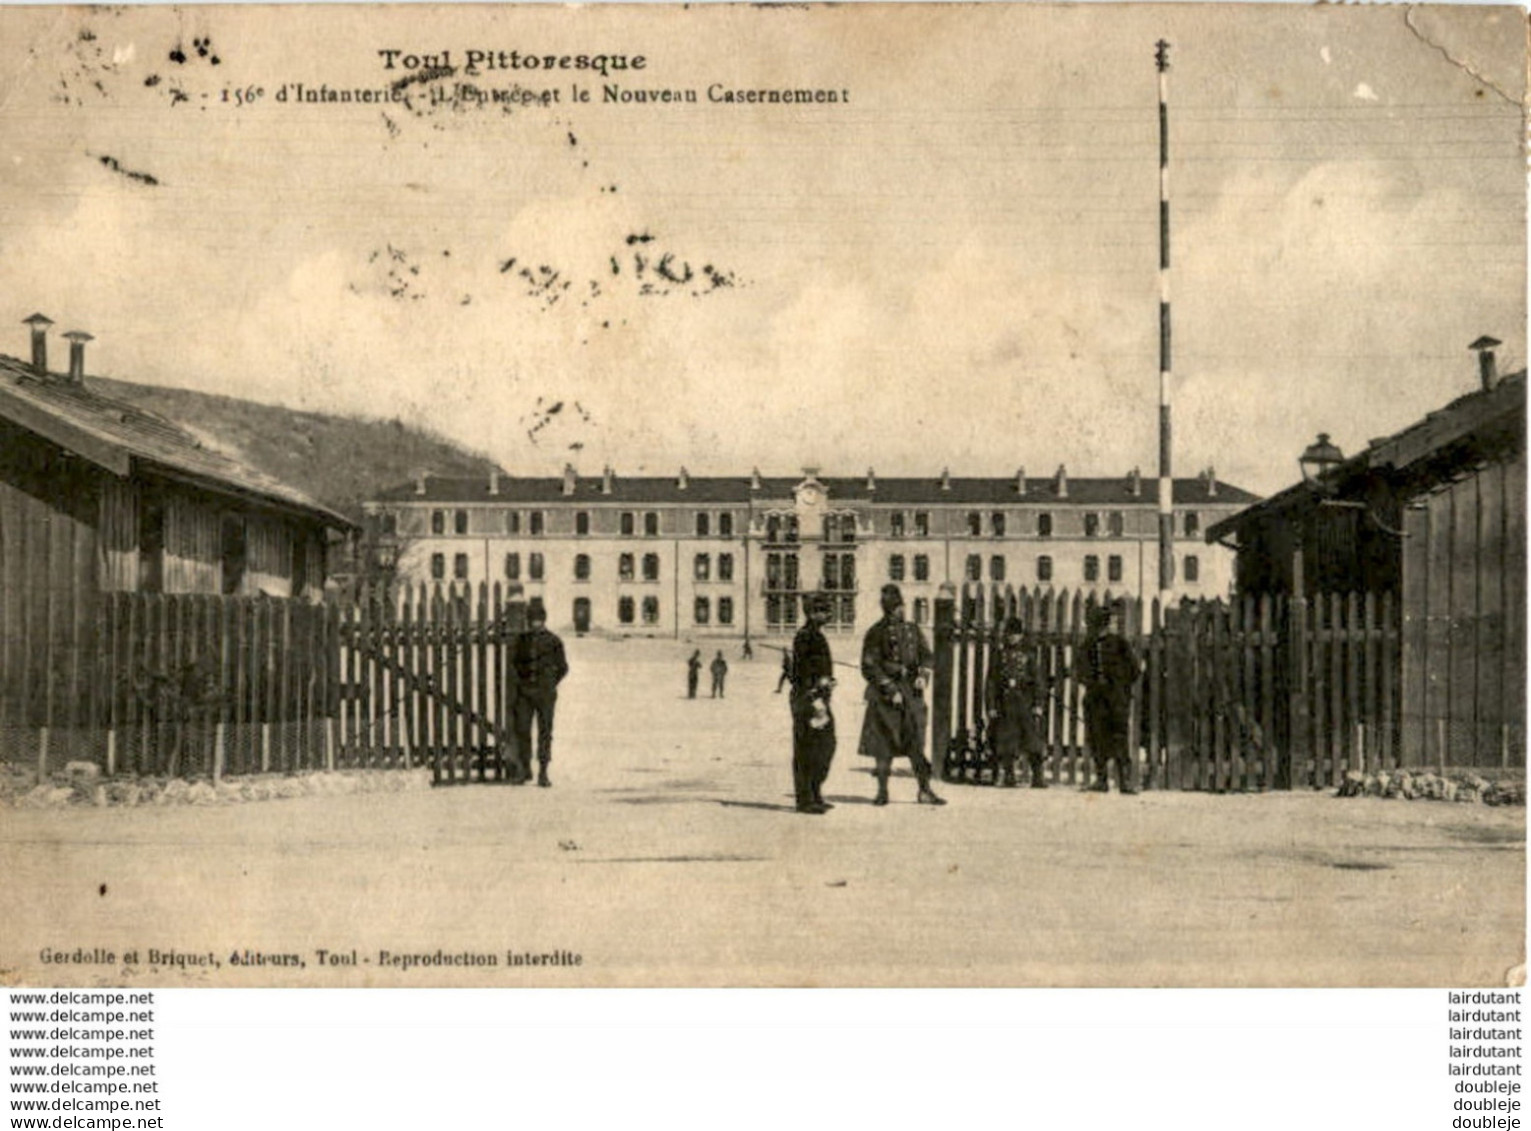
(668, 854)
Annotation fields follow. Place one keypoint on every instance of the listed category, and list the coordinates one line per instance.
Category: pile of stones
(1427, 785)
(83, 784)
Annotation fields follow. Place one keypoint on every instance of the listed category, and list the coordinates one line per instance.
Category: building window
(725, 610)
(1115, 524)
(627, 524)
(1192, 523)
(997, 567)
(831, 528)
(789, 611)
(624, 610)
(773, 571)
(1044, 568)
(1192, 568)
(847, 528)
(624, 567)
(513, 567)
(460, 567)
(703, 525)
(534, 567)
(535, 522)
(438, 522)
(840, 572)
(974, 571)
(1114, 567)
(921, 567)
(847, 611)
(235, 553)
(725, 530)
(997, 524)
(703, 612)
(792, 537)
(921, 610)
(922, 524)
(725, 569)
(459, 522)
(975, 524)
(773, 609)
(650, 567)
(513, 522)
(1091, 567)
(651, 610)
(581, 567)
(1092, 524)
(896, 524)
(651, 524)
(773, 529)
(581, 523)
(789, 579)
(702, 568)
(438, 567)
(896, 567)
(1044, 525)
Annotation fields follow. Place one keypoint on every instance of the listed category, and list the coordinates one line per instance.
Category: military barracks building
(729, 556)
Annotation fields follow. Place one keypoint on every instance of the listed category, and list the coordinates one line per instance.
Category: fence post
(1297, 696)
(941, 694)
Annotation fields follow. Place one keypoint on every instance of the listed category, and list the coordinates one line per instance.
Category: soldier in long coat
(1016, 694)
(895, 660)
(1107, 667)
(813, 722)
(538, 663)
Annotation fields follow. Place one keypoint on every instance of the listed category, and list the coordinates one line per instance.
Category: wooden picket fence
(202, 686)
(1256, 693)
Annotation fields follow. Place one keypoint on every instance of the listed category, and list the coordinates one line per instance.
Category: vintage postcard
(871, 495)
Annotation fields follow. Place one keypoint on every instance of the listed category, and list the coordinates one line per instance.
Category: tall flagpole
(1166, 474)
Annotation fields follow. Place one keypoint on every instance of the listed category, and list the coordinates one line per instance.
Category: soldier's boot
(1102, 781)
(927, 796)
(1009, 775)
(542, 774)
(1038, 778)
(1125, 779)
(882, 788)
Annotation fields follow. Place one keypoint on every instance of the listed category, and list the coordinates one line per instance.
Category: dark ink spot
(103, 889)
(113, 164)
(152, 80)
(639, 237)
(178, 56)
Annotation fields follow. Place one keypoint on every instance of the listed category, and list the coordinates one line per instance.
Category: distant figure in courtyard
(1016, 696)
(539, 666)
(1107, 668)
(749, 652)
(693, 673)
(813, 723)
(719, 670)
(895, 661)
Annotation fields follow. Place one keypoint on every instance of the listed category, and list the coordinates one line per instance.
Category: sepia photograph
(918, 495)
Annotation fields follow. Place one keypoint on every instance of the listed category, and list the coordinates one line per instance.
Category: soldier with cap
(1107, 667)
(895, 660)
(538, 663)
(1016, 695)
(813, 723)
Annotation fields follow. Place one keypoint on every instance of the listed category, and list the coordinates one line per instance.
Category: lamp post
(1317, 460)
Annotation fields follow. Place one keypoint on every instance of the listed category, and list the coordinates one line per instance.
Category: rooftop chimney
(39, 324)
(946, 479)
(1061, 482)
(420, 483)
(1487, 371)
(871, 480)
(494, 482)
(1134, 482)
(607, 475)
(570, 478)
(1020, 481)
(77, 340)
(1210, 475)
(755, 479)
(683, 480)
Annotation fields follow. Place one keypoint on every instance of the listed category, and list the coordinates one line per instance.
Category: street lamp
(1318, 460)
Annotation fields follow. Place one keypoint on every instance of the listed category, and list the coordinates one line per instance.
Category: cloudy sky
(957, 267)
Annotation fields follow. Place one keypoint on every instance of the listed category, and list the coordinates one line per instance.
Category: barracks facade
(730, 556)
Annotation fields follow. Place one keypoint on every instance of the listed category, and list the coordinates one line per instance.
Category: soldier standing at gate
(537, 659)
(813, 724)
(895, 660)
(1107, 668)
(1016, 694)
